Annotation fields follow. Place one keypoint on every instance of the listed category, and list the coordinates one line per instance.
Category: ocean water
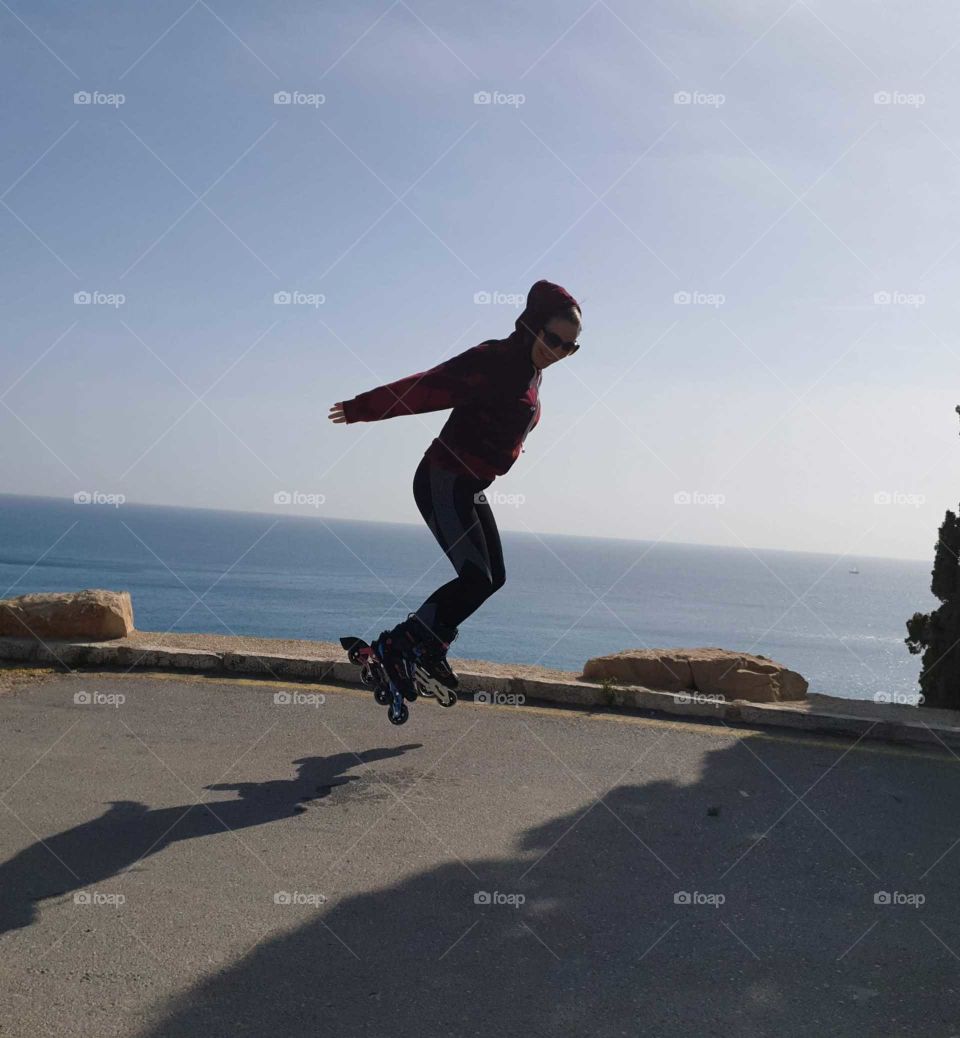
(566, 598)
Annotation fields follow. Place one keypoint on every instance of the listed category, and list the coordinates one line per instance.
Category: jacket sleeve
(463, 379)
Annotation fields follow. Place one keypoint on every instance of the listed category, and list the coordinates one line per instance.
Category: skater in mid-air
(494, 392)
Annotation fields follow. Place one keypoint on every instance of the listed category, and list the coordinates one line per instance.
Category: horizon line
(538, 533)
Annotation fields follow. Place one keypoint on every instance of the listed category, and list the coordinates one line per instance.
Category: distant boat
(853, 569)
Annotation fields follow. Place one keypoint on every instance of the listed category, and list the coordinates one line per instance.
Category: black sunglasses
(557, 343)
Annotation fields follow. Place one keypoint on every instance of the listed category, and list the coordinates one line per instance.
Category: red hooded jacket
(493, 388)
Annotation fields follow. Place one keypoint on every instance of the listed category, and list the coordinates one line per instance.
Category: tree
(937, 634)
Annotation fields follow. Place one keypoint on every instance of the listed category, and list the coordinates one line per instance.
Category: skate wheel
(382, 696)
(400, 717)
(450, 699)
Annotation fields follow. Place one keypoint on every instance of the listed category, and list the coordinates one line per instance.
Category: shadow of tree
(605, 944)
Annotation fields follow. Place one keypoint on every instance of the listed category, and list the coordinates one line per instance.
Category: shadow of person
(621, 928)
(129, 831)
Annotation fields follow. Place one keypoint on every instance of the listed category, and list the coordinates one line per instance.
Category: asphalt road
(200, 860)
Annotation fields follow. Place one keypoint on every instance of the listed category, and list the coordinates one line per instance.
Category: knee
(493, 583)
(484, 585)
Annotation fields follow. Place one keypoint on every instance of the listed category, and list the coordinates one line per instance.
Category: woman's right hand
(336, 414)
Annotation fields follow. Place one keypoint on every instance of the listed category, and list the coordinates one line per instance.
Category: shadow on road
(622, 930)
(130, 831)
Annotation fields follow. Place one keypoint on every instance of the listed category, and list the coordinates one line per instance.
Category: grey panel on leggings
(461, 546)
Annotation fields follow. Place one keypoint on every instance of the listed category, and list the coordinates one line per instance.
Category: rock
(91, 615)
(662, 670)
(712, 672)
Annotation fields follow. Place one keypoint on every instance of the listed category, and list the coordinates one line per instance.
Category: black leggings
(462, 521)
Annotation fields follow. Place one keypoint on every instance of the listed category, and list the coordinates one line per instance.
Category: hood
(544, 300)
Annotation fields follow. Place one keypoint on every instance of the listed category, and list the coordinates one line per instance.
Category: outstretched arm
(461, 380)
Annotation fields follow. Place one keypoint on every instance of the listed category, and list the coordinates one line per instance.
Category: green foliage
(608, 692)
(937, 634)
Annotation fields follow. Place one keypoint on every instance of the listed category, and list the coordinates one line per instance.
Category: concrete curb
(911, 729)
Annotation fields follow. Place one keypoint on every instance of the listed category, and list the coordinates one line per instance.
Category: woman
(493, 390)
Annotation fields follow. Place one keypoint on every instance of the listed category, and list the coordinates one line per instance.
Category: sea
(566, 599)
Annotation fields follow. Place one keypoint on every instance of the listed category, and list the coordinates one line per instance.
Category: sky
(757, 204)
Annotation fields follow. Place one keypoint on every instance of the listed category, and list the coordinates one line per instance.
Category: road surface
(187, 856)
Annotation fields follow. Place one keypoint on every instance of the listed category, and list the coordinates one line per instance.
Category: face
(545, 350)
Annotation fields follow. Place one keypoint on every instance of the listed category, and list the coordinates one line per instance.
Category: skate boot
(399, 672)
(427, 651)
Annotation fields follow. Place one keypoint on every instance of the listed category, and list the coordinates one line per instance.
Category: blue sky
(768, 272)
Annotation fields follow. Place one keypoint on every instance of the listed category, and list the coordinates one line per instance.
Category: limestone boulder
(664, 670)
(709, 671)
(91, 615)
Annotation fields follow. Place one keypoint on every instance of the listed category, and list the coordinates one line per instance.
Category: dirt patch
(14, 675)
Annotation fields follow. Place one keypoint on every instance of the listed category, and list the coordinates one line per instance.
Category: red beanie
(544, 300)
